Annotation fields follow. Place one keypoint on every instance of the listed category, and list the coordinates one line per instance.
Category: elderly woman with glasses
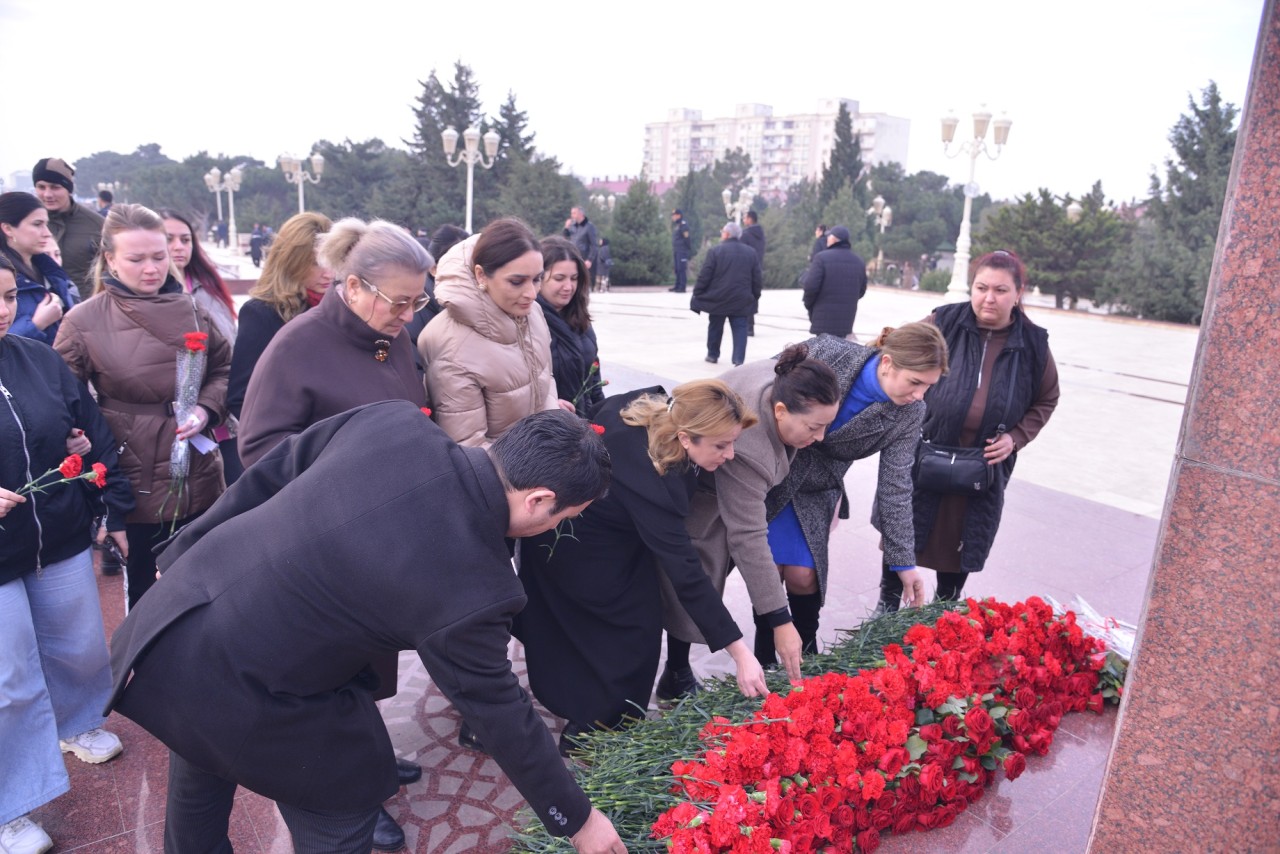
(350, 350)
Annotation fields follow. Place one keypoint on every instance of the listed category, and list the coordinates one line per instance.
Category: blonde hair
(917, 346)
(119, 219)
(698, 408)
(289, 265)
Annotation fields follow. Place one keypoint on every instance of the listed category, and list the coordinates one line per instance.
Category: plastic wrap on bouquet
(1118, 635)
(189, 379)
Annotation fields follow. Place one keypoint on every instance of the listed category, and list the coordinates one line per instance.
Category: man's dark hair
(751, 215)
(554, 450)
(105, 196)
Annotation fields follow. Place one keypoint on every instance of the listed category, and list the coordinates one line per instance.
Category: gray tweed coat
(815, 483)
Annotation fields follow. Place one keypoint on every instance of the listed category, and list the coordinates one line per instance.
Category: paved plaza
(1081, 517)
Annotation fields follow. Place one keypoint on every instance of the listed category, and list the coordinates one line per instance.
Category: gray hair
(354, 247)
(732, 229)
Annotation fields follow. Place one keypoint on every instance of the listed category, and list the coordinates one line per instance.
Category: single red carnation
(195, 341)
(99, 478)
(426, 410)
(599, 430)
(71, 466)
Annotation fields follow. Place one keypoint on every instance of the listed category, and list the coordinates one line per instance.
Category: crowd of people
(350, 465)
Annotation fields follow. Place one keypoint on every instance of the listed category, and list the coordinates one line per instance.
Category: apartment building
(783, 149)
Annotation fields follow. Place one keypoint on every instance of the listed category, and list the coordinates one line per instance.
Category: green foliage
(844, 171)
(935, 280)
(1064, 258)
(442, 189)
(354, 173)
(537, 193)
(1165, 272)
(641, 238)
(698, 194)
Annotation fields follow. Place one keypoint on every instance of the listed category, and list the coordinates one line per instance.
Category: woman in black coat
(592, 628)
(575, 365)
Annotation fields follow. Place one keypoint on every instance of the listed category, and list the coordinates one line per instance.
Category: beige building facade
(783, 149)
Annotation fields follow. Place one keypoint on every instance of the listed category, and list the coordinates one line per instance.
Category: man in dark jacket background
(582, 232)
(249, 657)
(835, 281)
(681, 249)
(728, 287)
(753, 236)
(76, 227)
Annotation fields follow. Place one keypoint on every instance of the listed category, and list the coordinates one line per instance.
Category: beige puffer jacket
(485, 369)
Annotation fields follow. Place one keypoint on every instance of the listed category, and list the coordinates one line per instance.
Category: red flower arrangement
(904, 746)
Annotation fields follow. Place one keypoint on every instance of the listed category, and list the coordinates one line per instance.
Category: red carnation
(99, 478)
(195, 341)
(426, 410)
(71, 466)
(599, 430)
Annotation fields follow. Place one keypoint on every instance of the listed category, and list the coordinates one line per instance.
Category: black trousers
(682, 274)
(140, 569)
(199, 810)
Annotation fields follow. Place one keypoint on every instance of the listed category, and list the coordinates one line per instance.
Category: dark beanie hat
(54, 170)
(17, 206)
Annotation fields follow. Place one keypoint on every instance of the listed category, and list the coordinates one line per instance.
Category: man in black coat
(681, 249)
(728, 287)
(582, 233)
(753, 236)
(370, 531)
(834, 283)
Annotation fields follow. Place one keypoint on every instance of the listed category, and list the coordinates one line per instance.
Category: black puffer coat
(836, 280)
(729, 282)
(40, 401)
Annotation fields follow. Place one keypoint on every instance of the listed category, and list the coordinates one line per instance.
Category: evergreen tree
(641, 241)
(441, 190)
(1165, 273)
(511, 126)
(537, 193)
(845, 167)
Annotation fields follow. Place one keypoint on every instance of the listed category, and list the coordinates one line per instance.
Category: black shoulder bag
(955, 470)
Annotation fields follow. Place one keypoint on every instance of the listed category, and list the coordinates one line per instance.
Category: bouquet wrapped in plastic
(190, 377)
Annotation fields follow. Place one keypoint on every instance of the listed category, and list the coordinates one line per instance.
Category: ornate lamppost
(470, 156)
(958, 289)
(214, 180)
(736, 210)
(296, 173)
(883, 219)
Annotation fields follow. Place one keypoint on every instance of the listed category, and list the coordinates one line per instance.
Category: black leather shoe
(569, 737)
(408, 772)
(469, 740)
(387, 835)
(677, 684)
(711, 360)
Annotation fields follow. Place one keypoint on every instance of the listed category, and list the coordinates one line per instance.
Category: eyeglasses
(398, 306)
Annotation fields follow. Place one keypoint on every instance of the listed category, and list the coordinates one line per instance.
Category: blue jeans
(55, 678)
(715, 332)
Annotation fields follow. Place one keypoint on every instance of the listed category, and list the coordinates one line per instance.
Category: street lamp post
(295, 172)
(216, 183)
(736, 210)
(958, 289)
(470, 156)
(883, 219)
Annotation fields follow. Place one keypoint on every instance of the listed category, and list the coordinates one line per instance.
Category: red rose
(71, 466)
(99, 478)
(1014, 765)
(978, 724)
(951, 726)
(931, 779)
(845, 816)
(869, 840)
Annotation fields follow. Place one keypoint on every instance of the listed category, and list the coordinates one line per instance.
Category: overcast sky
(1092, 87)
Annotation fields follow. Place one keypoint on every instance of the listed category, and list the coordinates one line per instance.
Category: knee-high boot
(804, 613)
(890, 590)
(764, 650)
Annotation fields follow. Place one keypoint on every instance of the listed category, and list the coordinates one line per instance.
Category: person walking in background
(728, 288)
(881, 389)
(488, 355)
(592, 629)
(257, 242)
(604, 260)
(835, 281)
(681, 249)
(54, 674)
(105, 199)
(999, 394)
(221, 234)
(76, 227)
(126, 340)
(582, 232)
(819, 241)
(201, 279)
(45, 292)
(563, 298)
(753, 236)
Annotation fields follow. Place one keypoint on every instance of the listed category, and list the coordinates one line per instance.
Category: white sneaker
(94, 746)
(23, 836)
